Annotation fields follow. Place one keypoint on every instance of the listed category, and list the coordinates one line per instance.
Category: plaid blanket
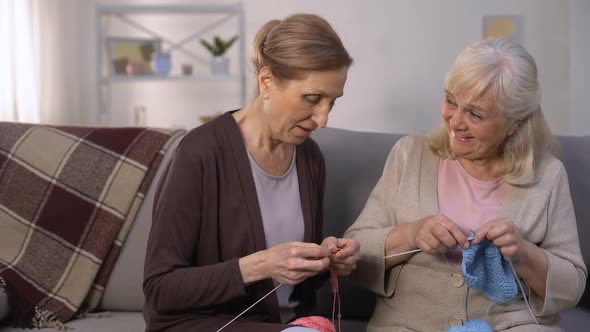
(68, 197)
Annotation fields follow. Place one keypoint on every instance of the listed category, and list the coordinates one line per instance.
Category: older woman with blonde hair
(472, 228)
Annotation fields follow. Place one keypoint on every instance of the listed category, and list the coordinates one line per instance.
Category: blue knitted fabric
(486, 270)
(475, 325)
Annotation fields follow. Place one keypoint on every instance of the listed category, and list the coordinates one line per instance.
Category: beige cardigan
(427, 294)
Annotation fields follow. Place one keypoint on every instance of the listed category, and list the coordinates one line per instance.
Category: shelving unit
(129, 15)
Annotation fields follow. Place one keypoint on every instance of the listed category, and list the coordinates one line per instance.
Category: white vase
(220, 66)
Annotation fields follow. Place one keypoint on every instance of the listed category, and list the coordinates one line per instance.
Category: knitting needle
(403, 253)
(471, 237)
(255, 303)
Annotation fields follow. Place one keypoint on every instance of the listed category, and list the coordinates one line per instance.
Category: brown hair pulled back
(296, 45)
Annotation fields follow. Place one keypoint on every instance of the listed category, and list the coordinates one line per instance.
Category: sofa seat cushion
(119, 321)
(3, 305)
(575, 319)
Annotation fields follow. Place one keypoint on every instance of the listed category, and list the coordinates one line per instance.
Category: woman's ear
(265, 81)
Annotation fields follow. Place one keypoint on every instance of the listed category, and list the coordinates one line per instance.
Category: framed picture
(503, 26)
(131, 56)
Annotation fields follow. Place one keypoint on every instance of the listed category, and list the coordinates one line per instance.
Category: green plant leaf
(208, 46)
(229, 43)
(219, 46)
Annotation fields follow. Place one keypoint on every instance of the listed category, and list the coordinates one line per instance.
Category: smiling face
(296, 108)
(476, 128)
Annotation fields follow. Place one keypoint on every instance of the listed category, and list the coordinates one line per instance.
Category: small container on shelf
(162, 63)
(187, 69)
(135, 68)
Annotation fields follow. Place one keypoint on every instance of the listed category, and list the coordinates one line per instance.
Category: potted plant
(218, 48)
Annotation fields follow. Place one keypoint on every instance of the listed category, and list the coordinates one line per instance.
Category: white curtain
(47, 61)
(19, 61)
(67, 61)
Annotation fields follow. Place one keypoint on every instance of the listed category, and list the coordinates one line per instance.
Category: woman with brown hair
(238, 211)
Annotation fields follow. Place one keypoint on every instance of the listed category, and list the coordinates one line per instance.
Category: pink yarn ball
(315, 322)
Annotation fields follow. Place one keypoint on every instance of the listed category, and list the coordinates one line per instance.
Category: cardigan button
(457, 280)
(454, 321)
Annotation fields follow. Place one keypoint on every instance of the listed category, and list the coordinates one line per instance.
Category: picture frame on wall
(131, 56)
(510, 27)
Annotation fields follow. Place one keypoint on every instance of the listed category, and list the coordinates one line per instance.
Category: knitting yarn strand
(525, 297)
(336, 295)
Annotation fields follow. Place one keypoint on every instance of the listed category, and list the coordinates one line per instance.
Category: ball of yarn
(475, 325)
(315, 322)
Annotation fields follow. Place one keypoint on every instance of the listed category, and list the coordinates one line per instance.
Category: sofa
(354, 163)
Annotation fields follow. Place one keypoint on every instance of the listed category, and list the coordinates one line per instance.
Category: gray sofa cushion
(574, 155)
(354, 163)
(124, 291)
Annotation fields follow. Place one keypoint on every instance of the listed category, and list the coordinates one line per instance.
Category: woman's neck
(483, 170)
(256, 128)
(272, 155)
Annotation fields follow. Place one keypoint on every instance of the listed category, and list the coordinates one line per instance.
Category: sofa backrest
(124, 290)
(575, 155)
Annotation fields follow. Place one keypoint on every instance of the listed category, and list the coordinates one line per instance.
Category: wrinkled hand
(292, 262)
(436, 233)
(505, 235)
(345, 254)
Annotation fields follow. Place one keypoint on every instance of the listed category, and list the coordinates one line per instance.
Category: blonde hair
(509, 73)
(296, 45)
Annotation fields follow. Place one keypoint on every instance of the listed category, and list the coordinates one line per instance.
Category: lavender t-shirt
(282, 217)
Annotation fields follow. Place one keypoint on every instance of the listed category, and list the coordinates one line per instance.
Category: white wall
(402, 50)
(579, 24)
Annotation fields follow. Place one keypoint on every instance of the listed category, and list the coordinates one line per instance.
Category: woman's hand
(505, 235)
(530, 261)
(436, 233)
(288, 263)
(345, 254)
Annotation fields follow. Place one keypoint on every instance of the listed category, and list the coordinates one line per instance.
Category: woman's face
(298, 107)
(476, 129)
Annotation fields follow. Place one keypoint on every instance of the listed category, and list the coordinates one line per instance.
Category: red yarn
(321, 323)
(315, 322)
(334, 280)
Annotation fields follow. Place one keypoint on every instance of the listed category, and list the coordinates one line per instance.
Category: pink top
(467, 201)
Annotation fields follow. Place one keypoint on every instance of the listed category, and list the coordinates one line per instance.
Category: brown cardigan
(206, 216)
